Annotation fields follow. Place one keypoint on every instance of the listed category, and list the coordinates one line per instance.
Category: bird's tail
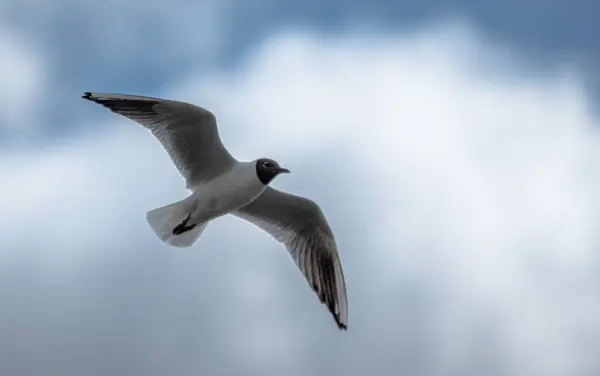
(172, 225)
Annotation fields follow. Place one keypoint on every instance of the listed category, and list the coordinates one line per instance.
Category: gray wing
(188, 133)
(300, 225)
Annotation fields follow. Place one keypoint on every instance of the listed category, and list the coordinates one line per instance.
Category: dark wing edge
(315, 254)
(125, 105)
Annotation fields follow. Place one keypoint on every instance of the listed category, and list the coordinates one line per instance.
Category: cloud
(22, 75)
(463, 199)
(479, 181)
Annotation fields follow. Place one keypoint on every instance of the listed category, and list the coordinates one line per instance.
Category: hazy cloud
(23, 77)
(463, 200)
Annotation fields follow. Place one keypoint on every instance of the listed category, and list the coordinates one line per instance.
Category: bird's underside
(190, 136)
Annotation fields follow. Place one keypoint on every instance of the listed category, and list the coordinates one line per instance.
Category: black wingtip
(340, 324)
(87, 95)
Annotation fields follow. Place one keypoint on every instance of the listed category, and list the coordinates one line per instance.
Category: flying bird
(221, 185)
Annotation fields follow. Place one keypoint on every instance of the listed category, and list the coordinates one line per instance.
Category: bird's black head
(267, 169)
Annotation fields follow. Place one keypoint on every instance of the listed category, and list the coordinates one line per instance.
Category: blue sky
(453, 147)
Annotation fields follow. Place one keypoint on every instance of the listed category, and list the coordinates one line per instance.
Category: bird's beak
(282, 170)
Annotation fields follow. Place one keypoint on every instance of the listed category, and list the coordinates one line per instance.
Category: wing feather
(300, 225)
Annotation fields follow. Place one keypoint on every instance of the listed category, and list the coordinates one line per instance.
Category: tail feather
(166, 219)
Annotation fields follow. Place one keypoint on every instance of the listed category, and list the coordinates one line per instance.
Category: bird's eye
(266, 164)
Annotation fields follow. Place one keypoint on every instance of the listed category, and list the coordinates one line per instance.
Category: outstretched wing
(300, 225)
(188, 133)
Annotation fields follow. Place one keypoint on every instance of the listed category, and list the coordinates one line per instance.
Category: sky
(452, 147)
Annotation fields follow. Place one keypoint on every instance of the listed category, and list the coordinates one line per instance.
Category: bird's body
(226, 193)
(214, 198)
(222, 185)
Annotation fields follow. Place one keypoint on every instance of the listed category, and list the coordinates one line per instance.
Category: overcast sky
(453, 148)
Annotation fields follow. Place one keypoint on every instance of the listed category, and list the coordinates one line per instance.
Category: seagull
(221, 185)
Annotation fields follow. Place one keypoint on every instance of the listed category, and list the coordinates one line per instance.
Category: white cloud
(22, 75)
(495, 174)
(481, 187)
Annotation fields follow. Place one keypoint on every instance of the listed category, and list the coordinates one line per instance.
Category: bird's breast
(226, 194)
